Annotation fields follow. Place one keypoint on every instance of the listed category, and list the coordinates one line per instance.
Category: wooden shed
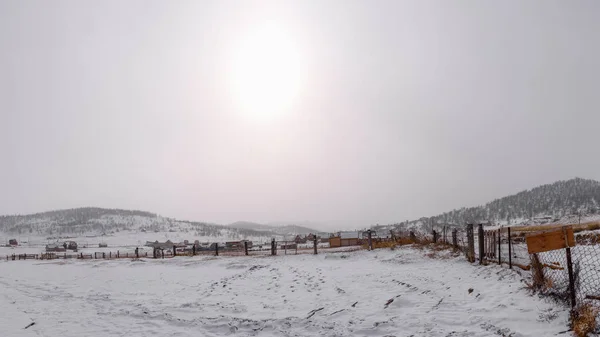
(344, 239)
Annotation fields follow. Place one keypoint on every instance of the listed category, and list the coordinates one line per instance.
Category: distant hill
(92, 220)
(250, 225)
(286, 230)
(559, 202)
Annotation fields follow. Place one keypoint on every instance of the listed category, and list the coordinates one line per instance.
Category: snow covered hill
(98, 221)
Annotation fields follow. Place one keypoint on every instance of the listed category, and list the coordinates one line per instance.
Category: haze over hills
(559, 202)
(92, 220)
(564, 201)
(281, 229)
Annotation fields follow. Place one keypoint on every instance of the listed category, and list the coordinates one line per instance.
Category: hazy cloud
(407, 108)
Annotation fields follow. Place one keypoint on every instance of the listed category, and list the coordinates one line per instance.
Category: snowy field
(335, 294)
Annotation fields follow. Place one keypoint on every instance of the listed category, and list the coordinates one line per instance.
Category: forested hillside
(551, 202)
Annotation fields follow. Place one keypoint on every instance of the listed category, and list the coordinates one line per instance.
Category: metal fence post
(509, 250)
(481, 243)
(571, 278)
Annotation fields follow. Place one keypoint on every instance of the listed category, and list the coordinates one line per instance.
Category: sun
(266, 73)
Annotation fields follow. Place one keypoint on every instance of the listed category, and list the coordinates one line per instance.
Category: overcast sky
(397, 109)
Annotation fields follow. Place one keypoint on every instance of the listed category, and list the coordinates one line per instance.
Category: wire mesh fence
(550, 275)
(586, 271)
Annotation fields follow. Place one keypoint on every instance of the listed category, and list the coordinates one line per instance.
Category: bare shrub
(537, 274)
(583, 319)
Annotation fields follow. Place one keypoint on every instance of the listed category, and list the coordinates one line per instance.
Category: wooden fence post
(434, 236)
(369, 234)
(454, 238)
(481, 243)
(216, 249)
(509, 250)
(103, 255)
(315, 244)
(499, 243)
(442, 235)
(246, 248)
(272, 246)
(174, 251)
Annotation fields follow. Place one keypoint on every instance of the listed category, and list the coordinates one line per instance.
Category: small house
(234, 245)
(70, 245)
(299, 239)
(161, 245)
(54, 247)
(214, 244)
(13, 242)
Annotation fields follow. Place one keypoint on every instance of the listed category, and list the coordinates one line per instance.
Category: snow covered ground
(379, 293)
